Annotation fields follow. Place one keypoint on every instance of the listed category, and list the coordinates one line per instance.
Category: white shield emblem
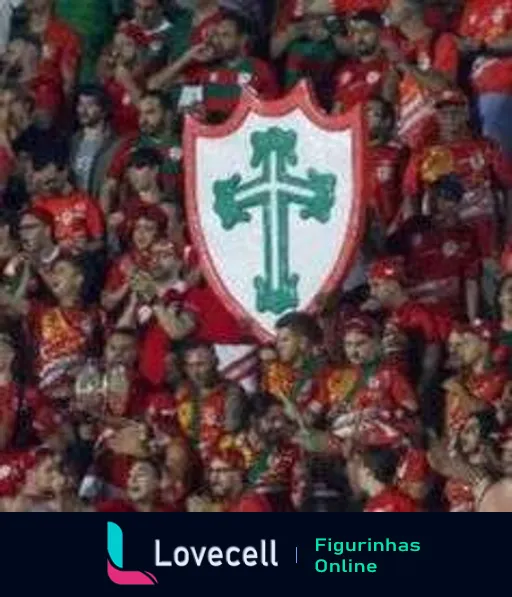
(275, 205)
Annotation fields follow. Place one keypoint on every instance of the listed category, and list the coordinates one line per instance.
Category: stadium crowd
(127, 385)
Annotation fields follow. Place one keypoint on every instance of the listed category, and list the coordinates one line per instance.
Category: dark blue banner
(229, 554)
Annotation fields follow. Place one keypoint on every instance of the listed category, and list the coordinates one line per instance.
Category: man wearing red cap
(481, 168)
(481, 385)
(407, 321)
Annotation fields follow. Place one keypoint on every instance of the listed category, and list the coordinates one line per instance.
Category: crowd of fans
(127, 385)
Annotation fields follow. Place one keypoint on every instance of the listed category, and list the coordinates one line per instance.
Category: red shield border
(300, 97)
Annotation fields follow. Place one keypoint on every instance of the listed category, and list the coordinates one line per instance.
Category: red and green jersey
(309, 59)
(222, 85)
(170, 148)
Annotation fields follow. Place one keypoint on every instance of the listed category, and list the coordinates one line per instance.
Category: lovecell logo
(115, 561)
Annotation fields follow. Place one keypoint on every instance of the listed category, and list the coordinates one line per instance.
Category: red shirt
(61, 51)
(417, 121)
(391, 500)
(414, 317)
(250, 502)
(357, 81)
(384, 169)
(439, 260)
(126, 506)
(477, 163)
(487, 21)
(344, 6)
(222, 85)
(61, 339)
(76, 218)
(125, 114)
(215, 323)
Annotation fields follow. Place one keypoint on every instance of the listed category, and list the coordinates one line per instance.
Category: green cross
(273, 190)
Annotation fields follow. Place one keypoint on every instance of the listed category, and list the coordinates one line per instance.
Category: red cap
(388, 268)
(231, 456)
(40, 214)
(485, 330)
(149, 212)
(361, 324)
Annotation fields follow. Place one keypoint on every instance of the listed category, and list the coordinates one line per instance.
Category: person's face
(223, 480)
(452, 120)
(378, 124)
(144, 234)
(360, 348)
(89, 111)
(200, 367)
(121, 350)
(273, 427)
(470, 436)
(19, 113)
(33, 234)
(165, 265)
(315, 29)
(505, 296)
(14, 53)
(365, 38)
(47, 477)
(506, 458)
(37, 5)
(65, 280)
(473, 349)
(227, 41)
(151, 116)
(382, 290)
(143, 178)
(6, 356)
(290, 346)
(398, 12)
(147, 13)
(142, 482)
(49, 180)
(455, 346)
(446, 209)
(172, 369)
(124, 49)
